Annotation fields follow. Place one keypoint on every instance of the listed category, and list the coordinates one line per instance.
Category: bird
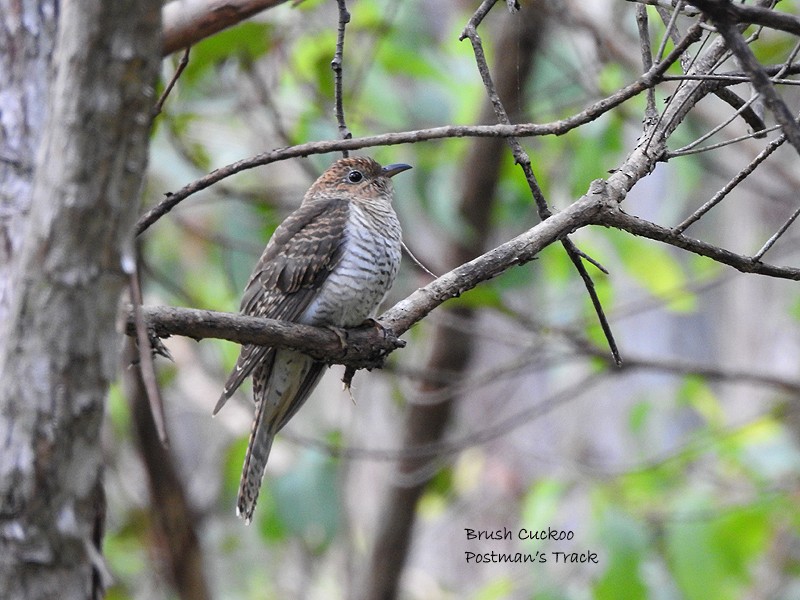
(330, 264)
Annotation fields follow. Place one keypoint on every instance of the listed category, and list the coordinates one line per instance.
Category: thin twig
(647, 80)
(416, 261)
(771, 241)
(727, 79)
(146, 367)
(643, 24)
(731, 185)
(181, 66)
(761, 132)
(523, 160)
(732, 13)
(753, 119)
(689, 11)
(724, 14)
(686, 98)
(747, 136)
(670, 28)
(643, 228)
(337, 65)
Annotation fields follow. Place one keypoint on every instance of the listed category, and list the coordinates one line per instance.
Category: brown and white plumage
(330, 262)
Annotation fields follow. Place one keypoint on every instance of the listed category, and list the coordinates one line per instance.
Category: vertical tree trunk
(60, 347)
(27, 35)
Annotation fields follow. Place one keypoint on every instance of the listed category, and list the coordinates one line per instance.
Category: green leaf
(271, 525)
(794, 310)
(311, 61)
(232, 469)
(697, 568)
(626, 542)
(404, 60)
(118, 409)
(711, 554)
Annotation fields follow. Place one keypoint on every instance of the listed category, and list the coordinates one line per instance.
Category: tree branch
(337, 64)
(746, 14)
(366, 346)
(643, 228)
(186, 22)
(724, 14)
(649, 79)
(523, 160)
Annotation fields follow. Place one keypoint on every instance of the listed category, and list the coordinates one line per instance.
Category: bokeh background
(680, 470)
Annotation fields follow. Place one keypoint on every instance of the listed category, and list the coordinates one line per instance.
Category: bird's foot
(376, 361)
(340, 333)
(157, 348)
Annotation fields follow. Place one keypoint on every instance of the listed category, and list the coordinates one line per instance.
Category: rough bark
(452, 348)
(61, 346)
(27, 35)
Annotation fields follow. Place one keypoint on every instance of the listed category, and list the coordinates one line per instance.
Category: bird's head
(358, 177)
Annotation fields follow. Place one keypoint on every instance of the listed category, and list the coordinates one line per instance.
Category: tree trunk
(64, 279)
(27, 35)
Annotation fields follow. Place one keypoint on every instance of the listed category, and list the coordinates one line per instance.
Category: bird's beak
(392, 170)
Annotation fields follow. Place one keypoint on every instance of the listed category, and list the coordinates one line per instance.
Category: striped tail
(280, 388)
(255, 463)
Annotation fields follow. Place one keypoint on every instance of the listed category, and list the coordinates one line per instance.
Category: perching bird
(330, 263)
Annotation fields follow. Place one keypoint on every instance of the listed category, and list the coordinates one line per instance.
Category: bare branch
(771, 241)
(524, 161)
(337, 65)
(649, 79)
(689, 11)
(743, 13)
(186, 22)
(364, 344)
(646, 50)
(145, 350)
(724, 14)
(731, 185)
(184, 61)
(643, 228)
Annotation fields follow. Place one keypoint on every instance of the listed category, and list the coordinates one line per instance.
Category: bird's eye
(354, 176)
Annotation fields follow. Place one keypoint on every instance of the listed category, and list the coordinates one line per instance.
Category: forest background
(678, 469)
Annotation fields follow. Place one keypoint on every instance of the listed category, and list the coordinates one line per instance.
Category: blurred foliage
(705, 502)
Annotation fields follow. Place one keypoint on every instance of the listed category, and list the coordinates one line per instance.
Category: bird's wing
(301, 254)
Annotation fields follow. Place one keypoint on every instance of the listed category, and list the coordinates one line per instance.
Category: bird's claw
(340, 333)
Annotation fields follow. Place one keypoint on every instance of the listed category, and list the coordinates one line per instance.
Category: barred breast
(357, 285)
